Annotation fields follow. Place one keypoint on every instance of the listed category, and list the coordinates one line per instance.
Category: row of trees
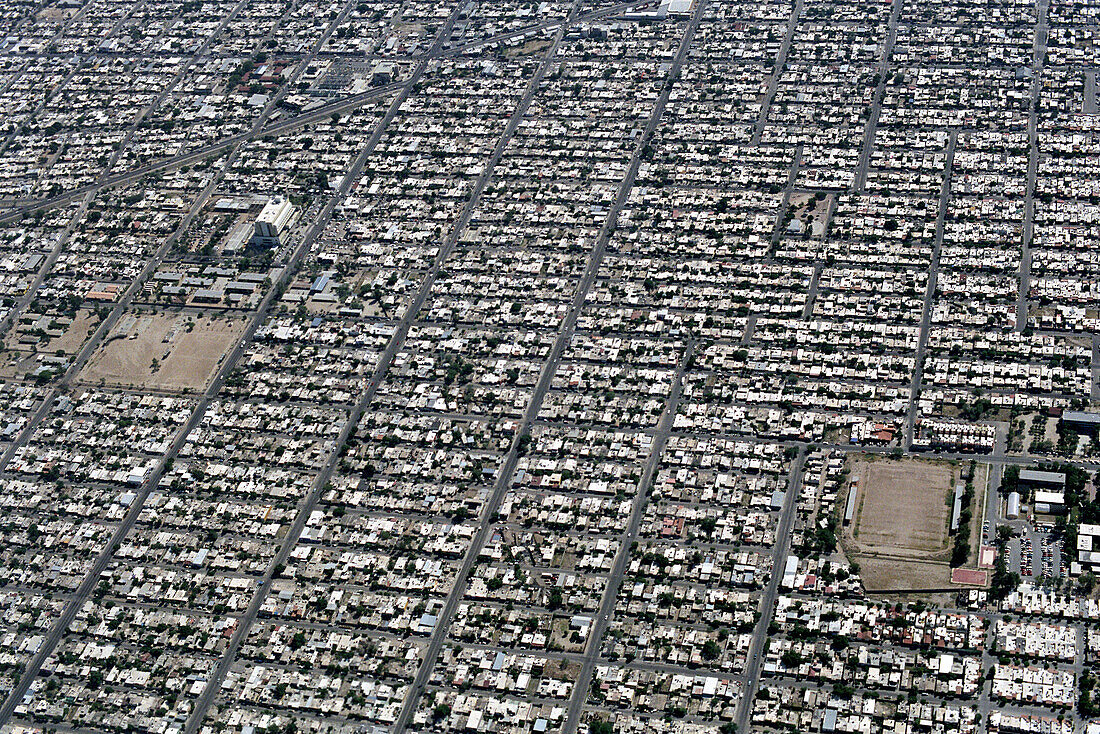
(960, 551)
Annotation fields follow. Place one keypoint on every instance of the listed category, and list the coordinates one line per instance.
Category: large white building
(273, 222)
(1088, 549)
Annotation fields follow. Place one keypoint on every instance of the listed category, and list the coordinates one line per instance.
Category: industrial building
(850, 506)
(1049, 503)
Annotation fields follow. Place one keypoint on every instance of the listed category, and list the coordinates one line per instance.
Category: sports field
(904, 510)
(900, 533)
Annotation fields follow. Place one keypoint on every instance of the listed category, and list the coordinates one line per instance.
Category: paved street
(508, 367)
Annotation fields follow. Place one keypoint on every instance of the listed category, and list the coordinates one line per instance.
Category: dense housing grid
(549, 366)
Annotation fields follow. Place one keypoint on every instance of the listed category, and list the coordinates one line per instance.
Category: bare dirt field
(904, 508)
(885, 574)
(528, 48)
(167, 351)
(899, 534)
(75, 335)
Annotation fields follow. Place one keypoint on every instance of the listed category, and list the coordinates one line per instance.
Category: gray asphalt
(383, 365)
(777, 72)
(662, 433)
(751, 677)
(51, 258)
(76, 68)
(1038, 55)
(876, 107)
(611, 594)
(508, 468)
(929, 295)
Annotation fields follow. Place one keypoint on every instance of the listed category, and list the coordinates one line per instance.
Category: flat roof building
(1049, 503)
(1082, 421)
(1045, 479)
(272, 222)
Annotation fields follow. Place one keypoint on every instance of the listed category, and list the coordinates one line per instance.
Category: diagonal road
(62, 241)
(397, 340)
(151, 264)
(336, 106)
(771, 592)
(565, 335)
(1038, 55)
(19, 691)
(929, 293)
(18, 128)
(777, 72)
(876, 104)
(622, 558)
(213, 685)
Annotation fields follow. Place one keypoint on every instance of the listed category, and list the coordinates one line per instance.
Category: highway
(92, 189)
(393, 346)
(91, 579)
(102, 561)
(185, 68)
(213, 684)
(244, 625)
(309, 117)
(214, 149)
(151, 264)
(397, 94)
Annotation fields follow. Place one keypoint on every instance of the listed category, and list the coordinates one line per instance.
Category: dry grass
(903, 506)
(167, 351)
(900, 532)
(884, 574)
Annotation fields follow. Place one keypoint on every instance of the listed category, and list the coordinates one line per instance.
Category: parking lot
(1036, 554)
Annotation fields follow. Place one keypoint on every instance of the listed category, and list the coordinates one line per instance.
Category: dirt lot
(531, 47)
(899, 534)
(904, 507)
(885, 574)
(167, 351)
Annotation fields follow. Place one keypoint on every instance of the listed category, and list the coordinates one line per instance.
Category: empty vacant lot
(167, 351)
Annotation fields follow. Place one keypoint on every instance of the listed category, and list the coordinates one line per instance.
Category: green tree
(599, 726)
(711, 650)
